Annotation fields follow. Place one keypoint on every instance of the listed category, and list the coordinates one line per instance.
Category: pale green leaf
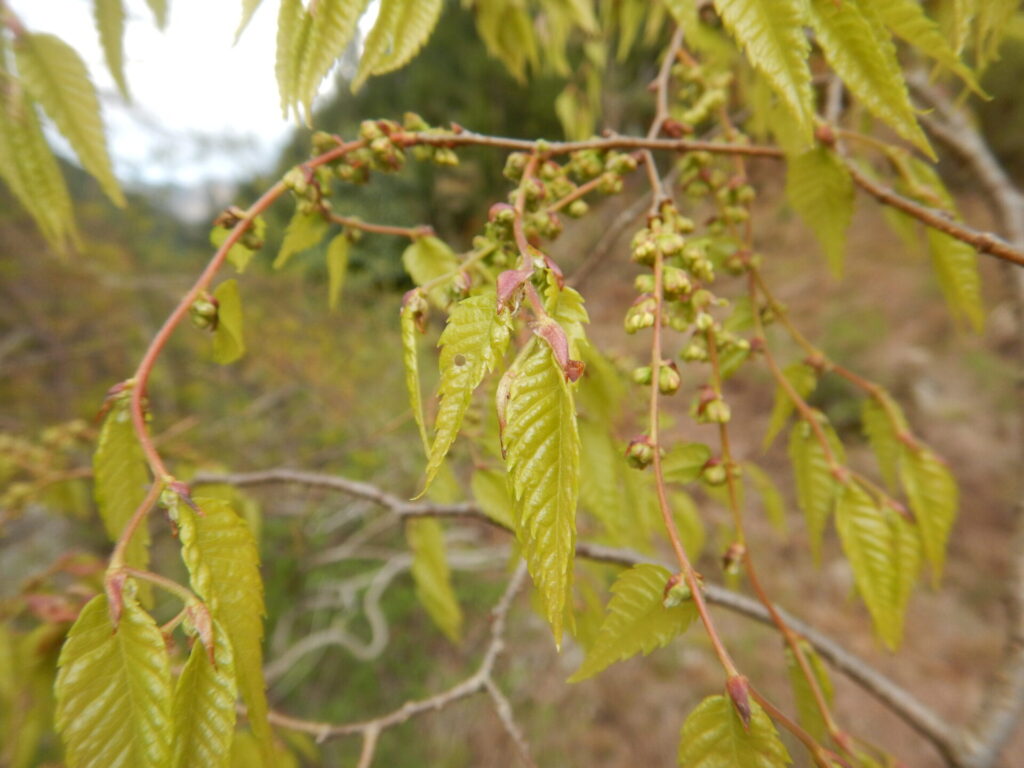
(688, 521)
(602, 491)
(333, 25)
(428, 259)
(228, 339)
(120, 482)
(544, 467)
(820, 189)
(861, 52)
(337, 266)
(401, 29)
(636, 620)
(239, 254)
(956, 267)
(507, 32)
(771, 32)
(908, 21)
(304, 231)
(114, 690)
(876, 418)
(808, 713)
(223, 563)
(934, 499)
(868, 542)
(249, 7)
(816, 486)
(472, 343)
(293, 28)
(432, 576)
(803, 378)
(410, 358)
(109, 16)
(995, 21)
(159, 10)
(907, 564)
(771, 498)
(204, 705)
(31, 171)
(713, 736)
(684, 462)
(490, 489)
(55, 77)
(602, 387)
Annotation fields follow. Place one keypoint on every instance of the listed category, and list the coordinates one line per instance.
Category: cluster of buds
(709, 407)
(413, 123)
(669, 379)
(252, 238)
(700, 95)
(203, 312)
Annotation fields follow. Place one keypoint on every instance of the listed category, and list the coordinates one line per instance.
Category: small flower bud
(515, 164)
(642, 375)
(669, 379)
(675, 281)
(644, 283)
(577, 208)
(717, 411)
(640, 453)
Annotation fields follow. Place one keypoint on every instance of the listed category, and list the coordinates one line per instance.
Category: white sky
(191, 88)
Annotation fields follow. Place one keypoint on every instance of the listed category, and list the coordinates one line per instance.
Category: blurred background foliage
(324, 391)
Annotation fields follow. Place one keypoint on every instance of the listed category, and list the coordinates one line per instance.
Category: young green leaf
(228, 340)
(816, 486)
(867, 540)
(602, 492)
(332, 27)
(30, 170)
(401, 29)
(114, 689)
(803, 379)
(120, 481)
(203, 712)
(876, 418)
(544, 467)
(934, 498)
(239, 254)
(771, 498)
(861, 52)
(809, 715)
(249, 8)
(684, 462)
(159, 10)
(956, 267)
(293, 27)
(907, 562)
(771, 32)
(432, 577)
(337, 266)
(304, 231)
(490, 489)
(109, 16)
(688, 521)
(508, 34)
(471, 344)
(56, 78)
(636, 620)
(410, 358)
(820, 189)
(223, 565)
(713, 736)
(427, 259)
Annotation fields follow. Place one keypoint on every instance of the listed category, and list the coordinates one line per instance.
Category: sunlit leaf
(304, 231)
(820, 189)
(934, 498)
(109, 16)
(816, 486)
(713, 736)
(507, 32)
(401, 29)
(114, 690)
(427, 259)
(333, 25)
(228, 339)
(876, 417)
(337, 266)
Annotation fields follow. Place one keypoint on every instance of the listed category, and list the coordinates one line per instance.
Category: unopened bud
(642, 375)
(669, 379)
(640, 453)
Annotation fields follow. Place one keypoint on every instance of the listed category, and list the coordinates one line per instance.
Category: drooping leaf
(820, 189)
(432, 576)
(412, 370)
(204, 705)
(907, 563)
(507, 32)
(544, 468)
(713, 736)
(771, 33)
(401, 29)
(994, 23)
(114, 690)
(159, 10)
(816, 486)
(427, 259)
(120, 482)
(809, 715)
(861, 52)
(228, 339)
(471, 344)
(956, 267)
(771, 498)
(876, 418)
(636, 620)
(688, 521)
(337, 266)
(867, 540)
(30, 170)
(490, 489)
(223, 565)
(304, 231)
(934, 498)
(332, 27)
(109, 16)
(293, 27)
(907, 20)
(249, 7)
(56, 77)
(684, 462)
(803, 378)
